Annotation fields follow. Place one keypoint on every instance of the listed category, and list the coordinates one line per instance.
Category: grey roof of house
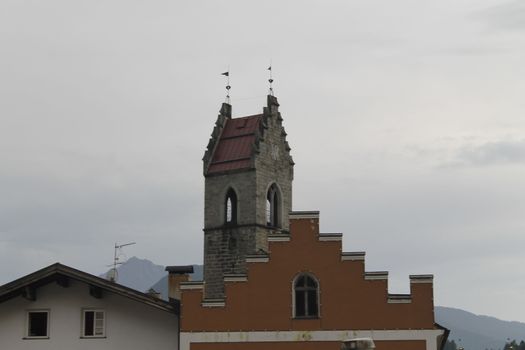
(61, 274)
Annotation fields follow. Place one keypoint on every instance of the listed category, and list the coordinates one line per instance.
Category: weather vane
(228, 87)
(270, 80)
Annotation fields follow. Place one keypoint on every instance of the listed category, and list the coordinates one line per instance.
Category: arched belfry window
(273, 205)
(231, 207)
(306, 296)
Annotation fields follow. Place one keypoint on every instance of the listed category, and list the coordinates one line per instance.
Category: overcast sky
(406, 120)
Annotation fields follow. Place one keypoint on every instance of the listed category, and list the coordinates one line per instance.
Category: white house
(59, 307)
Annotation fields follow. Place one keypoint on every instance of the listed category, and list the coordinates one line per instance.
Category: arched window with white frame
(306, 296)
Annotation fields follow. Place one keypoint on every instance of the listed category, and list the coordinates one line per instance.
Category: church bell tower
(248, 172)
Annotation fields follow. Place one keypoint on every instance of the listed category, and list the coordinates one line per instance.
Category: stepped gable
(350, 297)
(235, 147)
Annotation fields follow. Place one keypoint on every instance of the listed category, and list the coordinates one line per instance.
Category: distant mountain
(162, 285)
(139, 274)
(478, 332)
(142, 274)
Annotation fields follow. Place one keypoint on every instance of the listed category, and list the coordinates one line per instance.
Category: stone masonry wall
(274, 165)
(215, 189)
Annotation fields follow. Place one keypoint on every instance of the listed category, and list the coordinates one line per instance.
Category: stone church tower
(248, 175)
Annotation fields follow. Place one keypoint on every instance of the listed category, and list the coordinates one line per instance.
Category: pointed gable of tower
(234, 143)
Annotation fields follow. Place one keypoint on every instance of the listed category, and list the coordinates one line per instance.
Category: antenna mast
(112, 273)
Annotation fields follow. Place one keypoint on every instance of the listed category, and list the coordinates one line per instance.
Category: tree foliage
(513, 345)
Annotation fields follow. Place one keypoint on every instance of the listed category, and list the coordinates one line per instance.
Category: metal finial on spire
(228, 87)
(270, 91)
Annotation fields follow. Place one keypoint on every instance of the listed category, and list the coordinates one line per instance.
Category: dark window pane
(312, 303)
(38, 324)
(88, 323)
(306, 292)
(300, 304)
(300, 282)
(310, 282)
(272, 207)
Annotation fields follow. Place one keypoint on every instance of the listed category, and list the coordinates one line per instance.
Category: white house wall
(129, 324)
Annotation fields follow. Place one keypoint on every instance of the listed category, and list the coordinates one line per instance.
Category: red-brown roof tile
(235, 146)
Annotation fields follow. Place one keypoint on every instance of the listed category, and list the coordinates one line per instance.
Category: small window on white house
(93, 323)
(38, 324)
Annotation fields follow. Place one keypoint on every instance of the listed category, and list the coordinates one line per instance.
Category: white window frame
(27, 335)
(83, 330)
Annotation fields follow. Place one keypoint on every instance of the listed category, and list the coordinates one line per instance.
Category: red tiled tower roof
(236, 144)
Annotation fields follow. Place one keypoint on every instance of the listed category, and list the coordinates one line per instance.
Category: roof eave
(14, 288)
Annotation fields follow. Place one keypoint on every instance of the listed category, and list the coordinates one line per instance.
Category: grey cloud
(491, 153)
(45, 221)
(509, 15)
(474, 50)
(57, 215)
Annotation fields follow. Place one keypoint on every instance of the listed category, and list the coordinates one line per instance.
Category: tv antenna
(112, 273)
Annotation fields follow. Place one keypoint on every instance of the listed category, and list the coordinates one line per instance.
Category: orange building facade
(258, 309)
(298, 289)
